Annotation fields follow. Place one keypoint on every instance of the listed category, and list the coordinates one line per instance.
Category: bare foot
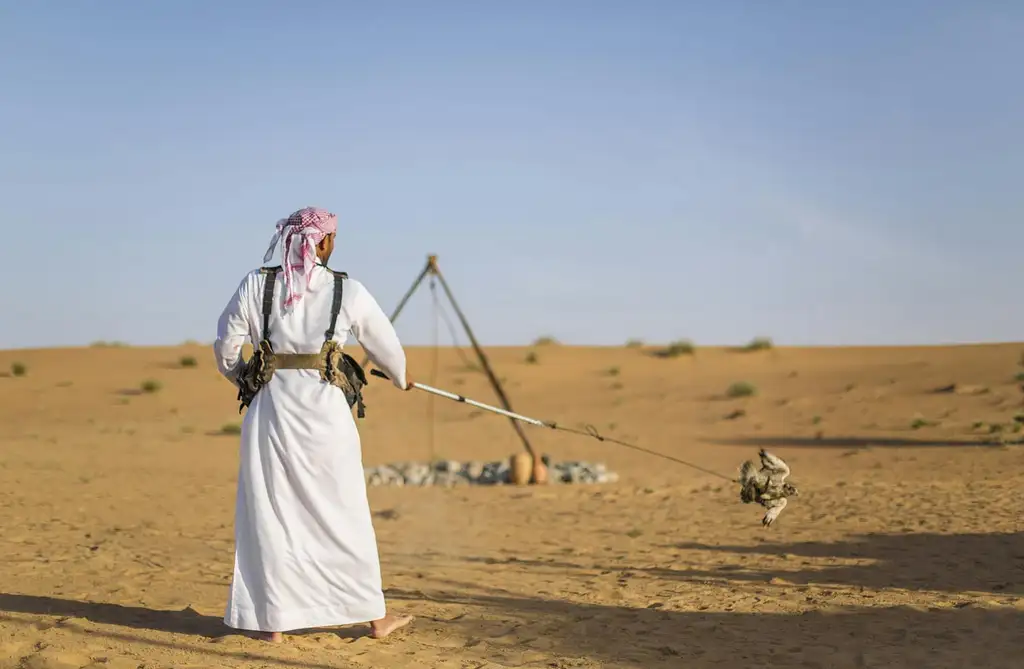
(388, 624)
(272, 637)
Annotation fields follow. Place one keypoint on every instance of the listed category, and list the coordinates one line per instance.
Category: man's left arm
(232, 332)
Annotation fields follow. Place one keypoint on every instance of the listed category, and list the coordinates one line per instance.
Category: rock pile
(475, 472)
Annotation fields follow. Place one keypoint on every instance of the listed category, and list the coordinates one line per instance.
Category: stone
(450, 473)
(474, 469)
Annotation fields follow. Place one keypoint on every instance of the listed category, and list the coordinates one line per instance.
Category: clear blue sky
(818, 172)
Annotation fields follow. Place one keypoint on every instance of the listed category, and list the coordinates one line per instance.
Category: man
(305, 547)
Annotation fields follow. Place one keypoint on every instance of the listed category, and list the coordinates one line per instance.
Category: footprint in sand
(52, 659)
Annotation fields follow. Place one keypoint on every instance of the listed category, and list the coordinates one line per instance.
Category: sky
(821, 173)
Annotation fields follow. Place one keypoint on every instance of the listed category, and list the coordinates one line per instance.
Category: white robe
(305, 547)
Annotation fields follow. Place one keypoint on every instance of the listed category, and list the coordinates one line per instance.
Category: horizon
(824, 175)
(104, 345)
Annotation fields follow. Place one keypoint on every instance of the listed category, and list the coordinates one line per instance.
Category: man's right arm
(373, 330)
(232, 332)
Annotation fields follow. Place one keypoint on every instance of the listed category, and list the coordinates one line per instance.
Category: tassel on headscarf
(302, 231)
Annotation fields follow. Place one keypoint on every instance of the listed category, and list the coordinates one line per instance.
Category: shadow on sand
(185, 621)
(992, 563)
(848, 442)
(593, 635)
(502, 626)
(956, 633)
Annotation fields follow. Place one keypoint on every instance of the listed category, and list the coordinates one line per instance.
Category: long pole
(589, 431)
(465, 400)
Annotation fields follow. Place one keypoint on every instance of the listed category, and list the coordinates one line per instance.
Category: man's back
(305, 549)
(302, 329)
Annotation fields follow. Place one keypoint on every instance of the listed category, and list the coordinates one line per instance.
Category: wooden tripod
(431, 269)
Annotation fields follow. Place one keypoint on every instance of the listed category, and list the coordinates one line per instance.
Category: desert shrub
(531, 358)
(187, 361)
(920, 422)
(231, 428)
(759, 344)
(741, 389)
(150, 386)
(678, 348)
(18, 369)
(546, 340)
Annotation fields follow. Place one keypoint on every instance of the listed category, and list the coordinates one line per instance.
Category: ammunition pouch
(256, 372)
(342, 370)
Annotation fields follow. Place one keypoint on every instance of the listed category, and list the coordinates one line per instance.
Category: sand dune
(904, 549)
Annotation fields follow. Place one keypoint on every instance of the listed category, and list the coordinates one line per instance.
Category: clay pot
(540, 471)
(522, 468)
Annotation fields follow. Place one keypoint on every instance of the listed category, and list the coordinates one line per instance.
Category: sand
(905, 548)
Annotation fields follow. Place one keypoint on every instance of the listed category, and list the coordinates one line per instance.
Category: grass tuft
(920, 422)
(741, 389)
(759, 344)
(677, 348)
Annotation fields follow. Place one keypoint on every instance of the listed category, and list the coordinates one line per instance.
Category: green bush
(231, 428)
(759, 344)
(741, 389)
(678, 348)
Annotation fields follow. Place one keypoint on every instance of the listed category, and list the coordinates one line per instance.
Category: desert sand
(904, 548)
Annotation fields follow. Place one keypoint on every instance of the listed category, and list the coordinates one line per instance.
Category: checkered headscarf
(302, 231)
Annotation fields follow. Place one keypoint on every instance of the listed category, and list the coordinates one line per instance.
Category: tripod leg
(484, 362)
(402, 302)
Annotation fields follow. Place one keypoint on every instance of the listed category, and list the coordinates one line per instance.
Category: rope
(591, 431)
(434, 368)
(587, 431)
(451, 331)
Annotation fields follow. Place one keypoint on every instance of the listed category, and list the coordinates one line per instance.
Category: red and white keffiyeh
(302, 231)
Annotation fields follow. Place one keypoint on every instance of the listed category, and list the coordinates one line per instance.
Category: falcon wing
(750, 473)
(774, 466)
(751, 481)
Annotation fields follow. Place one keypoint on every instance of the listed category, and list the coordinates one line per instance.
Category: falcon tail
(748, 479)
